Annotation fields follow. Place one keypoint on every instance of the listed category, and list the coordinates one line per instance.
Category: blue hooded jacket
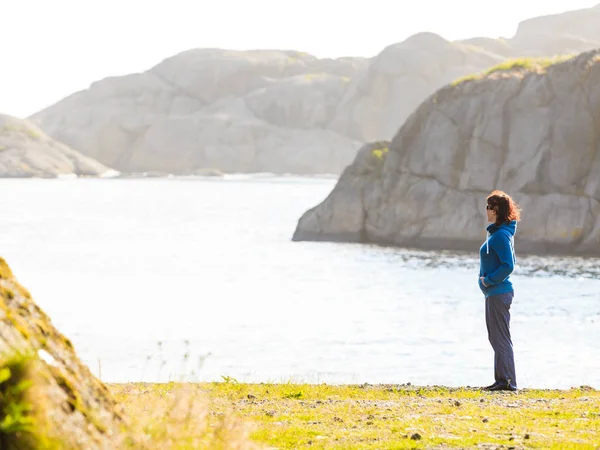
(497, 259)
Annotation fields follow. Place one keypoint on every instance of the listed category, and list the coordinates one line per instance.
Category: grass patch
(22, 129)
(15, 410)
(380, 152)
(287, 416)
(178, 416)
(537, 65)
(314, 76)
(20, 424)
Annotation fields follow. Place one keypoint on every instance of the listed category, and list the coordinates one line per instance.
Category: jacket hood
(507, 227)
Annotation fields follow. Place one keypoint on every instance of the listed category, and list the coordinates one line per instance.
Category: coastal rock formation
(533, 131)
(48, 398)
(399, 79)
(403, 75)
(342, 215)
(26, 151)
(568, 32)
(255, 111)
(282, 111)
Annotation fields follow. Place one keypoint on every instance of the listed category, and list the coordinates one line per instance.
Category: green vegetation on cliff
(381, 150)
(19, 426)
(515, 65)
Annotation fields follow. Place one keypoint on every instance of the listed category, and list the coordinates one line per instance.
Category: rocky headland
(531, 129)
(26, 151)
(283, 111)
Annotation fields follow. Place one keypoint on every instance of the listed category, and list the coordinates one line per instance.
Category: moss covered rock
(48, 397)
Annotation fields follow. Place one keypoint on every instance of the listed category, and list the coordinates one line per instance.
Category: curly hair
(505, 207)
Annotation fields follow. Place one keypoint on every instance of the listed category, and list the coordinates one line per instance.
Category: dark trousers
(497, 319)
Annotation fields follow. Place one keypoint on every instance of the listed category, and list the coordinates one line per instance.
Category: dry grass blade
(179, 417)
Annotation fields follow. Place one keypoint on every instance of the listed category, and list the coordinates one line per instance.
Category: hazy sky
(52, 48)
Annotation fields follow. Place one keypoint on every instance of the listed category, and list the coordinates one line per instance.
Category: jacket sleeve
(503, 250)
(481, 286)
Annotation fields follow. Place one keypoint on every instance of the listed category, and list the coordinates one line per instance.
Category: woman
(497, 261)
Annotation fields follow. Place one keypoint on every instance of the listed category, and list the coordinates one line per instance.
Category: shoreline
(400, 387)
(286, 416)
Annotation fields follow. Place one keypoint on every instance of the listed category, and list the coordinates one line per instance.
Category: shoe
(491, 386)
(503, 386)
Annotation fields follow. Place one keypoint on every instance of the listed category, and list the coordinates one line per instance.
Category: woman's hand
(482, 282)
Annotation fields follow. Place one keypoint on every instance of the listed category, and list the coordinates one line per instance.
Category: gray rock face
(577, 29)
(399, 79)
(533, 134)
(250, 111)
(381, 98)
(26, 151)
(342, 215)
(568, 32)
(315, 99)
(236, 144)
(255, 110)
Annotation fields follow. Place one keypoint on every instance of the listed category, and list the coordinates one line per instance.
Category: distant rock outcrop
(396, 82)
(533, 131)
(399, 79)
(26, 151)
(568, 32)
(256, 111)
(283, 111)
(48, 398)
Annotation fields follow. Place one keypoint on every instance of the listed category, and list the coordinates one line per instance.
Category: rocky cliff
(282, 111)
(26, 151)
(572, 31)
(255, 111)
(48, 398)
(532, 130)
(381, 97)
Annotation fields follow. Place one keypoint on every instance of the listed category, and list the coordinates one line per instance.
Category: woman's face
(491, 214)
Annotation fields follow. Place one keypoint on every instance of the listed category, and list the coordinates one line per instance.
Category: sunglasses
(489, 207)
